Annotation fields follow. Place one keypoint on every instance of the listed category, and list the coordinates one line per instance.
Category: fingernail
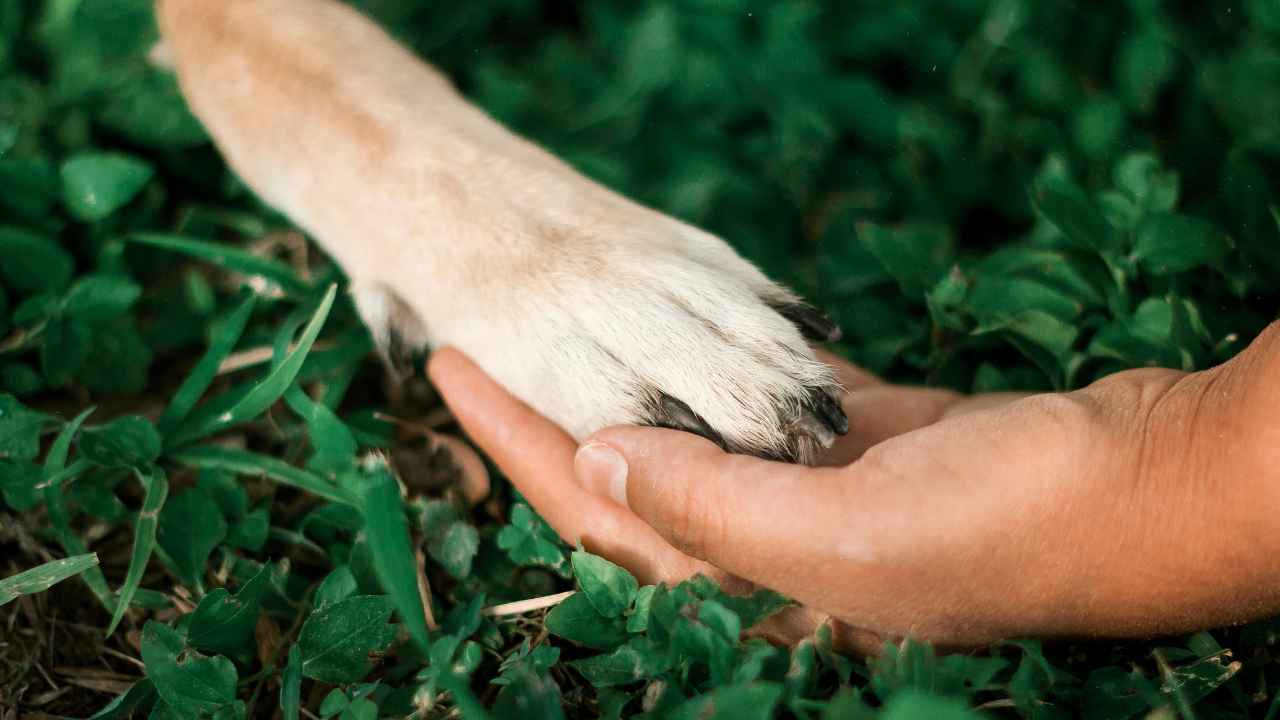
(602, 470)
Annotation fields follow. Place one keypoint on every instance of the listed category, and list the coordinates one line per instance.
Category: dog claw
(828, 408)
(674, 414)
(812, 324)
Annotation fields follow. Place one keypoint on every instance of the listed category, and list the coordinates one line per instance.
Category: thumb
(730, 510)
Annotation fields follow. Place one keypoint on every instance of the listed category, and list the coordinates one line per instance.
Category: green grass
(988, 194)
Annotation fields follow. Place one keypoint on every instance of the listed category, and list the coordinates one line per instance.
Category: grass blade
(243, 462)
(231, 258)
(291, 686)
(264, 394)
(392, 550)
(41, 578)
(206, 370)
(144, 539)
(55, 473)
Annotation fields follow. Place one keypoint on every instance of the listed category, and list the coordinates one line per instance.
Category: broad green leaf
(914, 704)
(338, 641)
(337, 586)
(229, 257)
(30, 187)
(191, 526)
(267, 391)
(1166, 244)
(529, 541)
(917, 256)
(95, 185)
(100, 297)
(1151, 187)
(129, 441)
(65, 350)
(755, 607)
(753, 701)
(224, 623)
(19, 429)
(1075, 215)
(450, 540)
(32, 263)
(242, 462)
(137, 696)
(637, 660)
(608, 587)
(156, 486)
(529, 696)
(577, 620)
(43, 577)
(457, 549)
(387, 534)
(192, 684)
(19, 484)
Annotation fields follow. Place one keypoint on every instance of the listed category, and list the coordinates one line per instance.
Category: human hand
(1143, 504)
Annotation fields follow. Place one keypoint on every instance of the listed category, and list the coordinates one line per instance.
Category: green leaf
(913, 704)
(19, 484)
(242, 462)
(31, 187)
(917, 256)
(191, 526)
(31, 263)
(608, 587)
(291, 685)
(755, 607)
(387, 534)
(192, 684)
(752, 701)
(19, 430)
(228, 257)
(1167, 244)
(101, 297)
(129, 441)
(637, 660)
(337, 586)
(1075, 216)
(95, 185)
(1153, 189)
(136, 697)
(638, 619)
(450, 540)
(156, 486)
(65, 350)
(267, 391)
(335, 446)
(224, 623)
(529, 541)
(338, 641)
(577, 620)
(457, 549)
(529, 696)
(43, 577)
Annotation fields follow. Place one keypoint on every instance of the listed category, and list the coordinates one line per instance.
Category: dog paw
(651, 323)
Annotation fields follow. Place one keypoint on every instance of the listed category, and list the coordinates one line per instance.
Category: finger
(538, 458)
(736, 512)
